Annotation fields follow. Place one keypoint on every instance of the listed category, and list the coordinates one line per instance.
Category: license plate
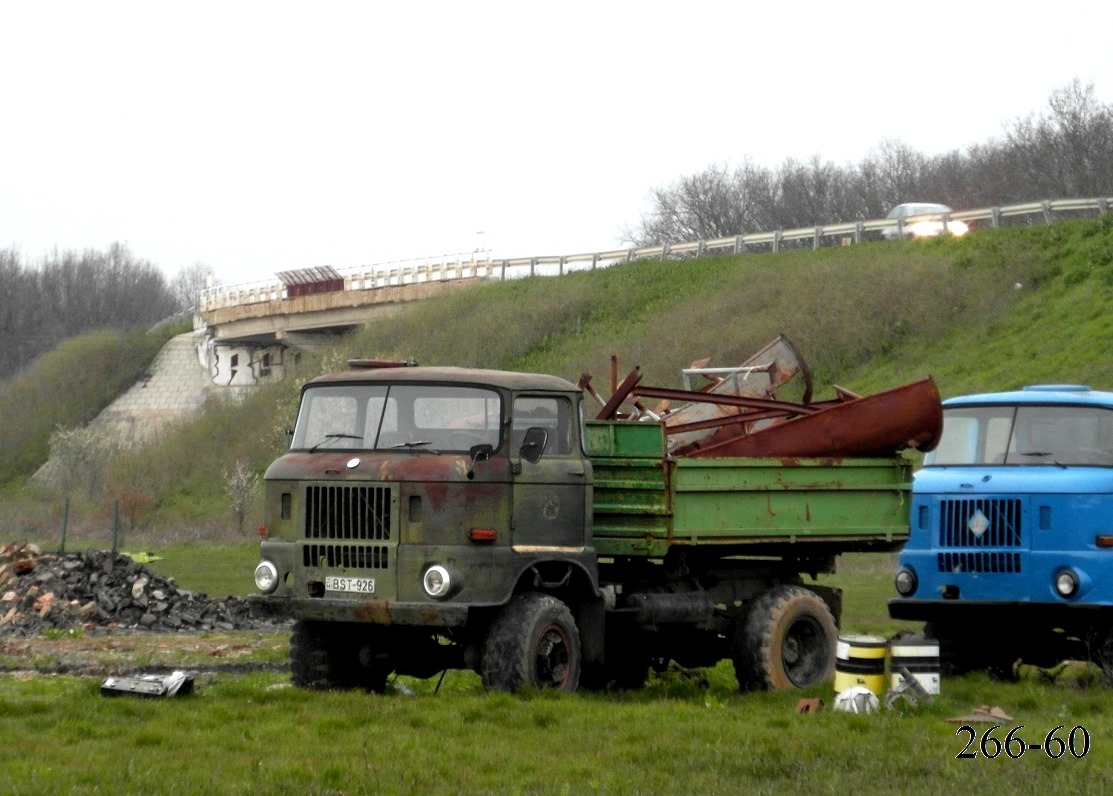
(356, 585)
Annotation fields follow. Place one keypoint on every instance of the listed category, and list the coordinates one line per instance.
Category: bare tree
(714, 203)
(72, 292)
(813, 192)
(190, 282)
(1068, 150)
(79, 456)
(240, 483)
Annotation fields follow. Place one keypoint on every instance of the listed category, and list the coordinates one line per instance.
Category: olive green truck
(434, 518)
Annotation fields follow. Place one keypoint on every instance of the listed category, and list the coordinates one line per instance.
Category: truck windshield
(1025, 435)
(403, 417)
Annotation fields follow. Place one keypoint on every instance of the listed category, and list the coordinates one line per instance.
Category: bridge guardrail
(480, 265)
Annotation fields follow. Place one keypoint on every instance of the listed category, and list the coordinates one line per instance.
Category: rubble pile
(100, 589)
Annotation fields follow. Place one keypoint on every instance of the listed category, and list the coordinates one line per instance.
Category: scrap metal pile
(735, 412)
(99, 589)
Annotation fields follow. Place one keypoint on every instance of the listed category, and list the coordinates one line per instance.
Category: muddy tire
(532, 643)
(785, 640)
(326, 656)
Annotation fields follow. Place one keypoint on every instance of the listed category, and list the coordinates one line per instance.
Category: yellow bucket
(860, 660)
(921, 659)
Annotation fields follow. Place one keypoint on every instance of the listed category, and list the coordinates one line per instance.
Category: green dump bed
(645, 503)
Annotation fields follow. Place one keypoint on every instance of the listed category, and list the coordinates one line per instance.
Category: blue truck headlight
(437, 581)
(266, 577)
(906, 582)
(1066, 583)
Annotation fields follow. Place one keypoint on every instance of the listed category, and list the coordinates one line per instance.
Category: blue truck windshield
(1025, 435)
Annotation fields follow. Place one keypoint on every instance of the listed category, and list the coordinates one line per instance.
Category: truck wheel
(323, 656)
(533, 643)
(786, 640)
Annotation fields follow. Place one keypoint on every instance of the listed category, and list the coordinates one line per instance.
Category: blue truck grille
(980, 523)
(982, 563)
(971, 526)
(360, 513)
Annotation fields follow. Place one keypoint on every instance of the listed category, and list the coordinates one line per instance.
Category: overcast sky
(256, 137)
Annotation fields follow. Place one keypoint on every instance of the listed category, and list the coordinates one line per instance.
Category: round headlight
(437, 581)
(1066, 583)
(906, 582)
(266, 577)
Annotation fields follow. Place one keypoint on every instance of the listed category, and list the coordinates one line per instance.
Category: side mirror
(534, 444)
(480, 453)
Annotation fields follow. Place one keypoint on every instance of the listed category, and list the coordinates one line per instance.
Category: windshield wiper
(329, 437)
(1043, 454)
(417, 443)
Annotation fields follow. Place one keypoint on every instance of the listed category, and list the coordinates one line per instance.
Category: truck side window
(551, 414)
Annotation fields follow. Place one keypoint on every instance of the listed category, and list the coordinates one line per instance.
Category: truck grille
(344, 518)
(1004, 563)
(341, 556)
(347, 512)
(980, 523)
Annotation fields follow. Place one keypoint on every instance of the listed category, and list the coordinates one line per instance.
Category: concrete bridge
(249, 337)
(245, 338)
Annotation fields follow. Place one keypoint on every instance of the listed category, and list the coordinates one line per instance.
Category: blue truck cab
(1010, 548)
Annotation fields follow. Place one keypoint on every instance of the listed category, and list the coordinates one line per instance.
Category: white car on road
(922, 220)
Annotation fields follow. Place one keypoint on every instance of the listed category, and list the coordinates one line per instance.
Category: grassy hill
(994, 310)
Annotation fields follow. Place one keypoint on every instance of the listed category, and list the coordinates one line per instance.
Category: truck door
(550, 492)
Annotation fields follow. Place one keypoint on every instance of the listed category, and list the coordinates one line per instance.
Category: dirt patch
(122, 653)
(101, 613)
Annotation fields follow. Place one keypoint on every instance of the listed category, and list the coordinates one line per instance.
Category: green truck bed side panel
(645, 503)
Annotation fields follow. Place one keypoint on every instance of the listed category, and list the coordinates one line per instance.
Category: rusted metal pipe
(621, 393)
(725, 400)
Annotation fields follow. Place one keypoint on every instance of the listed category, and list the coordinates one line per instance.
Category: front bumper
(992, 613)
(375, 612)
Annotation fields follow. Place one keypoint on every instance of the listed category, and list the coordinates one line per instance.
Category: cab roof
(1043, 394)
(504, 379)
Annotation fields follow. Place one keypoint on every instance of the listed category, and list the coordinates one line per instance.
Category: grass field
(989, 311)
(254, 733)
(686, 732)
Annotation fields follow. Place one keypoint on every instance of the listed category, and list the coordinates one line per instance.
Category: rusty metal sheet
(758, 377)
(309, 276)
(909, 416)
